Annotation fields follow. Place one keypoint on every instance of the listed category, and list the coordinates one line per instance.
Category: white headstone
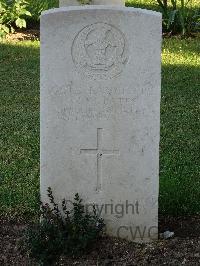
(63, 3)
(100, 113)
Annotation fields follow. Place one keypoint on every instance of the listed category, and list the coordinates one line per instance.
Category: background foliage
(179, 16)
(36, 7)
(17, 13)
(13, 13)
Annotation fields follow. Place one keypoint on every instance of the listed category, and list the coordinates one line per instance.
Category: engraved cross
(99, 152)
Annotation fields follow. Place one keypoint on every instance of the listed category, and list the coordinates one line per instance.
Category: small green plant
(62, 231)
(178, 17)
(13, 13)
(85, 2)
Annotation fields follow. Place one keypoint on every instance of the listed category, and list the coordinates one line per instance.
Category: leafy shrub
(62, 231)
(13, 13)
(178, 17)
(36, 7)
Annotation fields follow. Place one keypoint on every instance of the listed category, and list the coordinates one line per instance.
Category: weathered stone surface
(100, 113)
(64, 3)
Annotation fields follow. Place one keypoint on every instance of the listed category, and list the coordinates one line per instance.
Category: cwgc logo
(100, 51)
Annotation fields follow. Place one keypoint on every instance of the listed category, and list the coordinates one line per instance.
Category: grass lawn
(180, 128)
(19, 127)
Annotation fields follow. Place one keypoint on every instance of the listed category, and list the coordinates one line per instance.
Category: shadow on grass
(180, 140)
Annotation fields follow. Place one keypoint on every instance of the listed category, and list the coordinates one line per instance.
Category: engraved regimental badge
(100, 51)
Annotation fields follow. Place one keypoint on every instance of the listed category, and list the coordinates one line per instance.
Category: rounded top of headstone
(64, 3)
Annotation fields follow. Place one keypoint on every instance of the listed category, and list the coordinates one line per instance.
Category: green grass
(153, 4)
(180, 127)
(149, 4)
(19, 127)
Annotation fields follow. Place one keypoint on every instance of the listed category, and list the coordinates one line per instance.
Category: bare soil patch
(24, 35)
(183, 249)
